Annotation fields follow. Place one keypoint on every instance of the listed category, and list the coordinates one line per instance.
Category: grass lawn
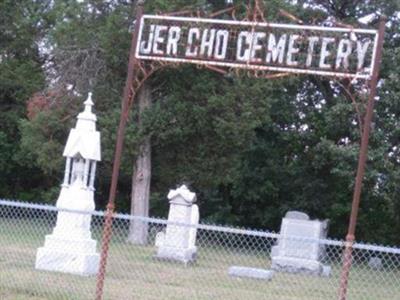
(133, 273)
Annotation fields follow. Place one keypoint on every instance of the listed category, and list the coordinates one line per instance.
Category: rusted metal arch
(139, 71)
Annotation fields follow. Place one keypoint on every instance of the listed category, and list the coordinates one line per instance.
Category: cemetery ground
(134, 273)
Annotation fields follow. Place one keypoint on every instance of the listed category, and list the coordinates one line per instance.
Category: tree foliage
(251, 148)
(22, 25)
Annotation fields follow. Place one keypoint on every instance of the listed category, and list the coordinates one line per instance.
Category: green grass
(134, 273)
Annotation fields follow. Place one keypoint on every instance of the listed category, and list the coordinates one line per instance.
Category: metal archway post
(128, 96)
(350, 238)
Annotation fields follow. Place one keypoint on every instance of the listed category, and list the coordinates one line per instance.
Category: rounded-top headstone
(375, 263)
(297, 215)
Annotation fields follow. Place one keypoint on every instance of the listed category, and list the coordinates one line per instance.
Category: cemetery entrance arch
(261, 49)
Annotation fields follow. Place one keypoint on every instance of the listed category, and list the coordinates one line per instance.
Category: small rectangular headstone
(250, 273)
(297, 240)
(299, 249)
(375, 263)
(326, 271)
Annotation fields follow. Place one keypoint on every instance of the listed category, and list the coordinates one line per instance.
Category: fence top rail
(215, 228)
(376, 248)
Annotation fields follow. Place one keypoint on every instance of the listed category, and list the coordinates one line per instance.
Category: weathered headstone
(375, 263)
(254, 273)
(298, 249)
(70, 247)
(178, 243)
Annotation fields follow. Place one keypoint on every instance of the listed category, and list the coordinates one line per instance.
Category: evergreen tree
(23, 25)
(251, 148)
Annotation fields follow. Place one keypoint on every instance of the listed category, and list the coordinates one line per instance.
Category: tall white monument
(179, 240)
(70, 247)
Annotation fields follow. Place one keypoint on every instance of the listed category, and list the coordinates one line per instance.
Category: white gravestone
(298, 249)
(178, 243)
(237, 271)
(375, 263)
(70, 248)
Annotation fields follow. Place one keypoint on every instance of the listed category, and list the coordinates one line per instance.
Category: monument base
(297, 265)
(75, 256)
(177, 254)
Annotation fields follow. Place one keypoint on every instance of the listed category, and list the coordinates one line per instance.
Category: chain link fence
(228, 263)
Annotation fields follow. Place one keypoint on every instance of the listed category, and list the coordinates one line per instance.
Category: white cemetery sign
(70, 247)
(329, 51)
(179, 240)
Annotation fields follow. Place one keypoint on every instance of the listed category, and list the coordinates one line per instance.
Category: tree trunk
(141, 178)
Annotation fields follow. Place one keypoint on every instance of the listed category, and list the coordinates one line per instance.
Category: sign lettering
(339, 52)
